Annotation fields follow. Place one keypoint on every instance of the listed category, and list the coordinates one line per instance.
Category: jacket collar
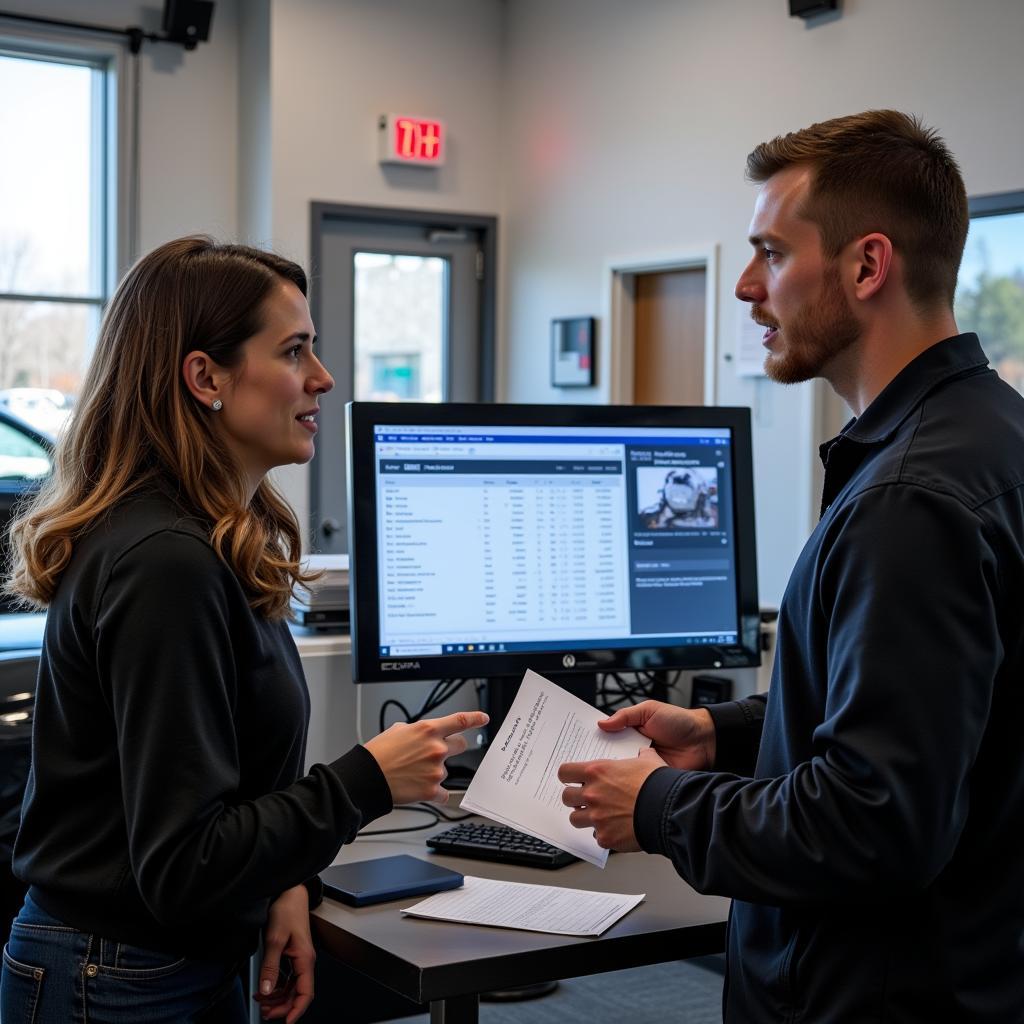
(953, 357)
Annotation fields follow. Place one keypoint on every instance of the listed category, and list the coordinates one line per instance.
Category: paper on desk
(532, 908)
(517, 781)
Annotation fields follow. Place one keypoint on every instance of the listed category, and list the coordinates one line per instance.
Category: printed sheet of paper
(517, 781)
(533, 908)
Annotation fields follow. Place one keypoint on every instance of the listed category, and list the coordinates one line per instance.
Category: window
(990, 295)
(58, 238)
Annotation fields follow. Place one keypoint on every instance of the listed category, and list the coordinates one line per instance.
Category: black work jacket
(867, 820)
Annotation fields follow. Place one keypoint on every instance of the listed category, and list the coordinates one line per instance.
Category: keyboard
(485, 841)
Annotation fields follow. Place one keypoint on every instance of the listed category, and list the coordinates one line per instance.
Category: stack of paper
(325, 603)
(534, 908)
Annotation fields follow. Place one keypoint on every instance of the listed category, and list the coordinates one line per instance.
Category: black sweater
(165, 806)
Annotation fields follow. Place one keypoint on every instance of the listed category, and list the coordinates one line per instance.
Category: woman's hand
(412, 755)
(286, 974)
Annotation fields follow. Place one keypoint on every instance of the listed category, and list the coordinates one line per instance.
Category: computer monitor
(489, 539)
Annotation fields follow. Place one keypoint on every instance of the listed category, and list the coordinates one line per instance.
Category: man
(867, 820)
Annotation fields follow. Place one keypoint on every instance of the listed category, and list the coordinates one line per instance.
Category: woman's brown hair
(136, 424)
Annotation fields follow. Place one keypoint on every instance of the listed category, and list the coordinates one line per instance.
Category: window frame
(995, 204)
(113, 151)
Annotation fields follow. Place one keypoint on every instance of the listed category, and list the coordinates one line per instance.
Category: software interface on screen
(519, 538)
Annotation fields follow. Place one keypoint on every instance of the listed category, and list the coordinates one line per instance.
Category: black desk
(448, 965)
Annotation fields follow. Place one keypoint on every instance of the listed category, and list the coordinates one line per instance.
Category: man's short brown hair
(881, 171)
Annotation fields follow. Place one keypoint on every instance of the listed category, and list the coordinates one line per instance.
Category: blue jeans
(54, 974)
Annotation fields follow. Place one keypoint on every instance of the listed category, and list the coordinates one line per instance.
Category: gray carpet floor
(681, 992)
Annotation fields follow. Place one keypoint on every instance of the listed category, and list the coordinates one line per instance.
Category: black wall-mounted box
(709, 690)
(811, 8)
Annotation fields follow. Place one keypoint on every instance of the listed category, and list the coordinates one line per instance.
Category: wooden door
(668, 337)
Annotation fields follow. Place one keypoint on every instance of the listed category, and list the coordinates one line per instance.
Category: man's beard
(816, 335)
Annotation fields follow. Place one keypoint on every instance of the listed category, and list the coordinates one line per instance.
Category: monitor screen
(488, 539)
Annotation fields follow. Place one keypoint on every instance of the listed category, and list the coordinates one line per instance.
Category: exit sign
(411, 140)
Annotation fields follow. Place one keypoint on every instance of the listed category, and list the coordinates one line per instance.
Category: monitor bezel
(367, 664)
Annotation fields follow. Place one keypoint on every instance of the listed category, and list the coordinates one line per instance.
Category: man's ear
(872, 257)
(204, 378)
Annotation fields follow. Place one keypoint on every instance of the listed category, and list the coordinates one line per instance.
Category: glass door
(400, 326)
(401, 313)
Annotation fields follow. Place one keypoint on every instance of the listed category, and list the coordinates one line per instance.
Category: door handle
(329, 527)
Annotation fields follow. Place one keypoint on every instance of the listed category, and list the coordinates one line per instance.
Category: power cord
(359, 716)
(434, 819)
(437, 815)
(631, 690)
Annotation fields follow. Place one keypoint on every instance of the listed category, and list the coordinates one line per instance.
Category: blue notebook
(386, 878)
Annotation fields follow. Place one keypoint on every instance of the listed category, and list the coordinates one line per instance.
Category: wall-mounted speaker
(811, 8)
(188, 21)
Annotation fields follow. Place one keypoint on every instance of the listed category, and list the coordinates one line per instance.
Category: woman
(165, 821)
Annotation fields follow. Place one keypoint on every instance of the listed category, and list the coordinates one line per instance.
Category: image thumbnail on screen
(677, 497)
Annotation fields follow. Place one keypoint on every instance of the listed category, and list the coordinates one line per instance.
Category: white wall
(627, 129)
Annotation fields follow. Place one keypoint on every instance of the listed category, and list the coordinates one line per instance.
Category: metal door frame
(485, 226)
(488, 228)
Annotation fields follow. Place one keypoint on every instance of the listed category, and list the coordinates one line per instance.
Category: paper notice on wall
(517, 781)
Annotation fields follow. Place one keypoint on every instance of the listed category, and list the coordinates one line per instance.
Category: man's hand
(684, 738)
(412, 755)
(286, 974)
(605, 795)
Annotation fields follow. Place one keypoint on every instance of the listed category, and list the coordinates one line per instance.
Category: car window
(21, 457)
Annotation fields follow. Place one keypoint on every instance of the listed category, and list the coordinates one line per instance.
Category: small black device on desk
(386, 878)
(486, 841)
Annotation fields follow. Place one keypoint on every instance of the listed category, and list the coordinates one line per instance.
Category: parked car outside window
(46, 409)
(25, 461)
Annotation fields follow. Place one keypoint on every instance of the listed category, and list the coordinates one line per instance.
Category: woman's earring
(217, 405)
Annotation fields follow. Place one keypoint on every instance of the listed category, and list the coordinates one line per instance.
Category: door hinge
(479, 264)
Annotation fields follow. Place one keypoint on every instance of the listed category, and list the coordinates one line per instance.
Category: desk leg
(457, 1010)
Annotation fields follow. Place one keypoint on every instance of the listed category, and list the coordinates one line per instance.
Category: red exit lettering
(418, 140)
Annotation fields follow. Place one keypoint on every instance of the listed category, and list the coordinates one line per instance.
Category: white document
(517, 781)
(532, 908)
